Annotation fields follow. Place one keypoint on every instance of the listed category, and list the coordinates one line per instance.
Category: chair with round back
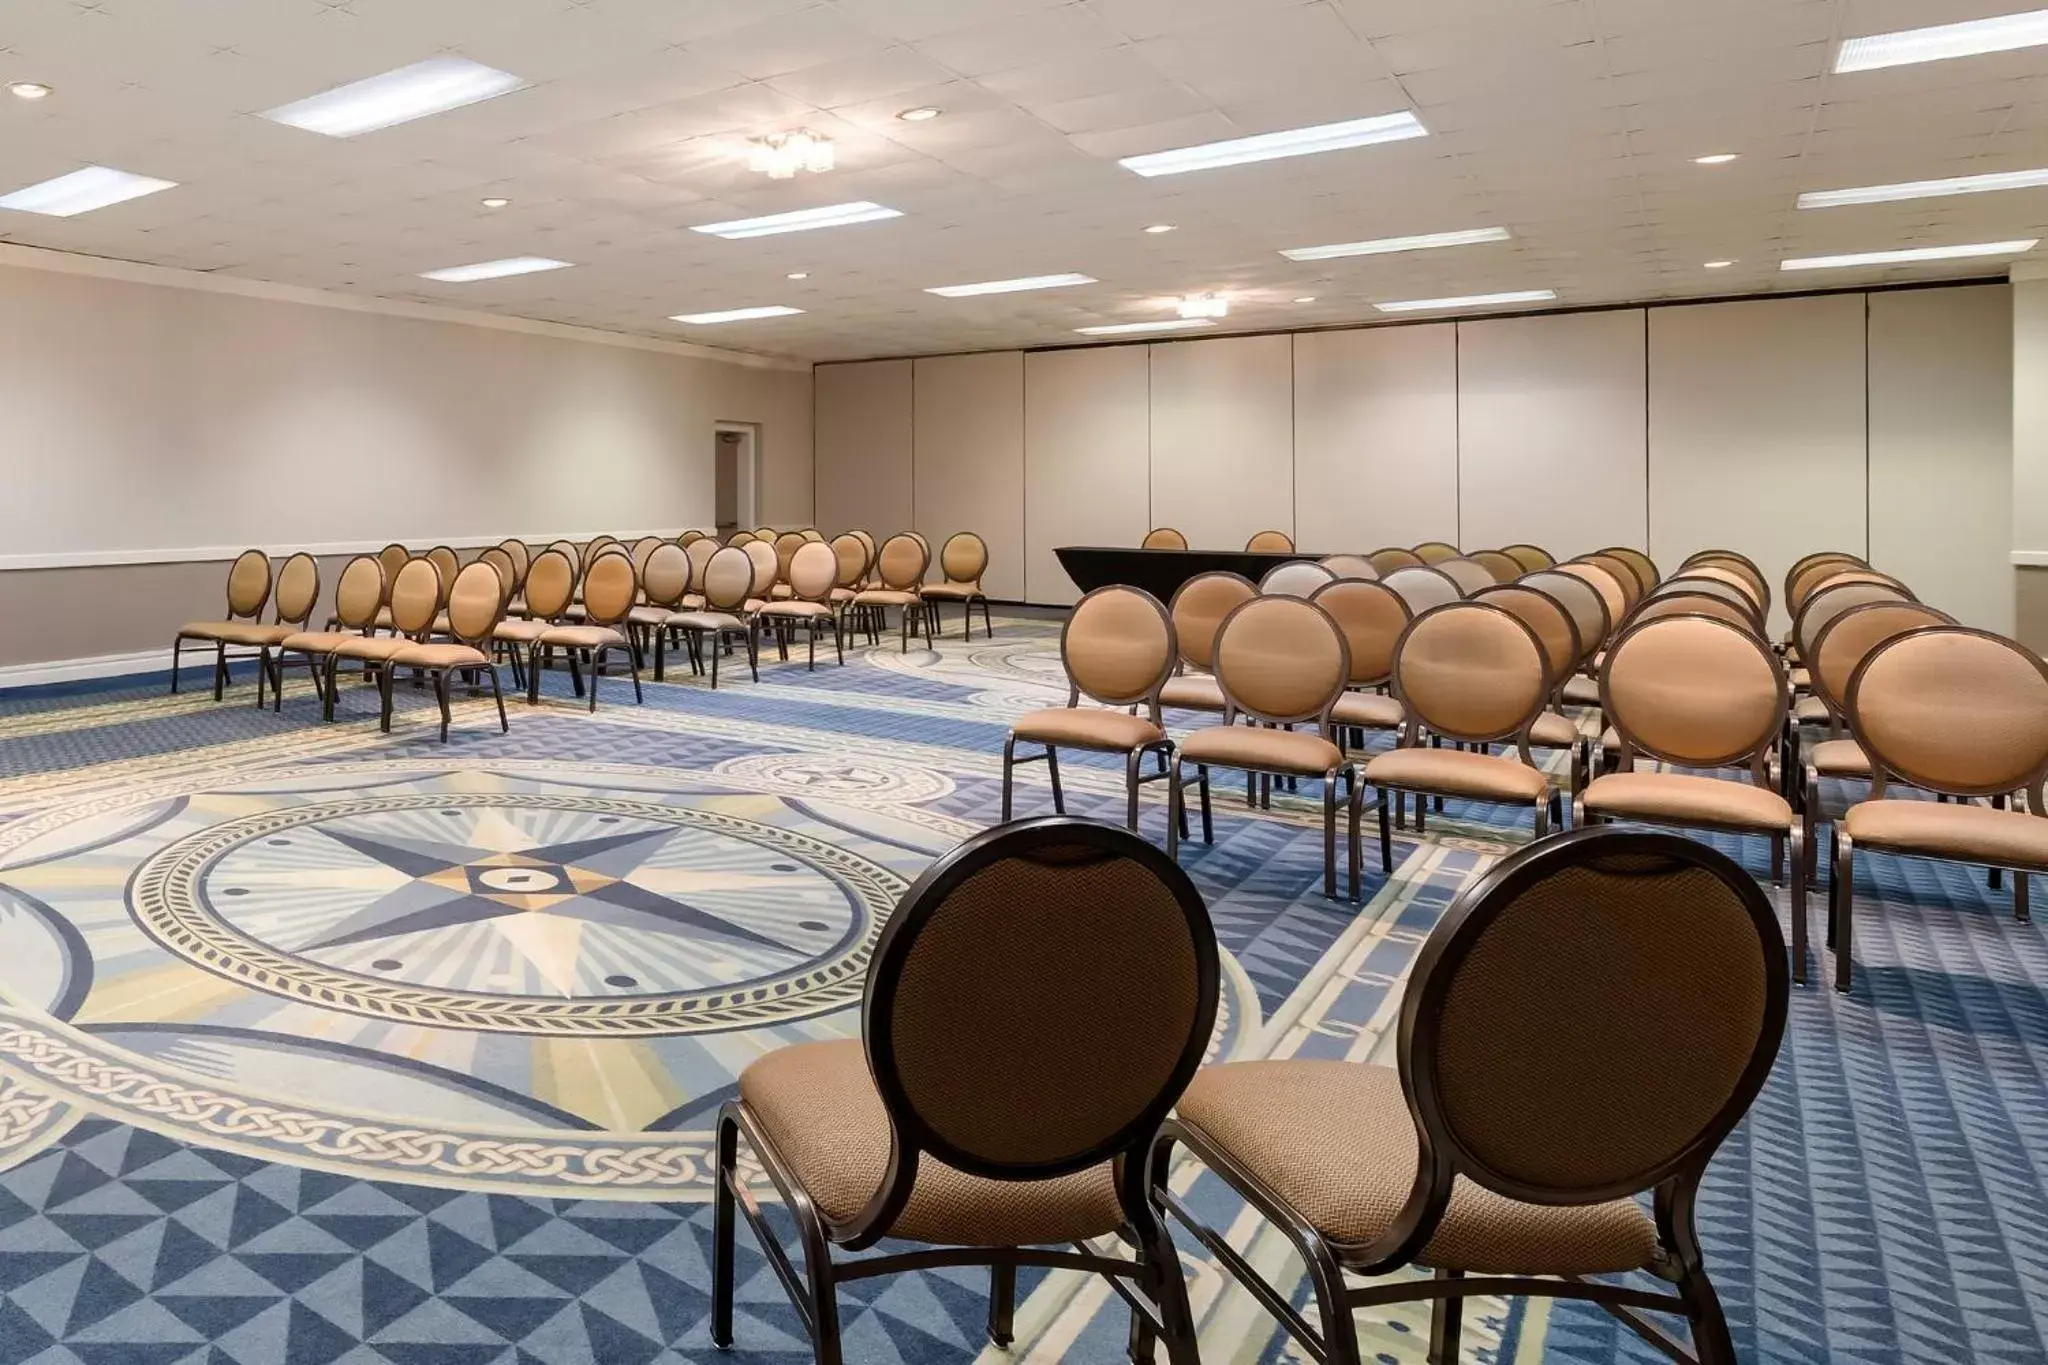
(1469, 574)
(664, 580)
(740, 539)
(1436, 551)
(610, 588)
(1559, 635)
(1585, 1026)
(248, 591)
(1473, 674)
(415, 601)
(1588, 611)
(766, 533)
(900, 564)
(1270, 542)
(1423, 587)
(812, 533)
(1393, 557)
(1532, 558)
(1682, 603)
(1822, 605)
(1198, 608)
(297, 593)
(1605, 581)
(786, 546)
(1280, 661)
(812, 571)
(1295, 578)
(550, 586)
(963, 559)
(1350, 566)
(726, 583)
(767, 570)
(1815, 570)
(1692, 692)
(1646, 568)
(1372, 617)
(476, 603)
(1721, 587)
(393, 557)
(449, 563)
(1633, 584)
(592, 548)
(867, 538)
(1726, 571)
(644, 547)
(1807, 561)
(522, 560)
(1961, 713)
(689, 538)
(852, 554)
(1504, 567)
(1163, 538)
(499, 558)
(699, 552)
(1118, 649)
(984, 1120)
(358, 598)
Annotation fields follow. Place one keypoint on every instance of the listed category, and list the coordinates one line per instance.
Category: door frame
(747, 502)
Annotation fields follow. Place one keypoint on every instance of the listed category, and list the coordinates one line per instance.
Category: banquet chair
(1296, 578)
(767, 571)
(1645, 567)
(609, 590)
(699, 552)
(248, 591)
(1582, 1030)
(963, 559)
(1469, 574)
(447, 561)
(292, 602)
(1633, 584)
(786, 545)
(851, 554)
(1198, 608)
(393, 557)
(1423, 587)
(1435, 551)
(1020, 1050)
(812, 533)
(900, 564)
(1270, 542)
(740, 539)
(689, 538)
(550, 583)
(812, 570)
(499, 558)
(664, 579)
(1815, 570)
(1532, 558)
(1603, 580)
(413, 603)
(766, 533)
(1688, 584)
(1372, 617)
(1117, 648)
(1555, 630)
(1682, 603)
(1350, 566)
(476, 603)
(522, 559)
(358, 598)
(727, 586)
(1504, 567)
(1163, 538)
(1393, 557)
(1696, 693)
(1473, 674)
(1961, 713)
(1749, 584)
(1280, 661)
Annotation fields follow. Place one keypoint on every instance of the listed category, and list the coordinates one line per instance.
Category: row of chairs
(1518, 558)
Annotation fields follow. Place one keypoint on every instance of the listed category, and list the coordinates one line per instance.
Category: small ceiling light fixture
(29, 90)
(433, 86)
(1158, 228)
(1924, 189)
(1912, 255)
(736, 315)
(1237, 151)
(797, 275)
(95, 187)
(496, 202)
(494, 270)
(1717, 265)
(2000, 33)
(803, 220)
(963, 291)
(1380, 246)
(1124, 328)
(1308, 298)
(1205, 306)
(1468, 301)
(779, 156)
(923, 113)
(1715, 158)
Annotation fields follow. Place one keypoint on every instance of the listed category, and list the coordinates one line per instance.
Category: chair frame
(783, 623)
(272, 665)
(220, 650)
(481, 644)
(933, 604)
(749, 625)
(538, 652)
(1165, 1316)
(1440, 1160)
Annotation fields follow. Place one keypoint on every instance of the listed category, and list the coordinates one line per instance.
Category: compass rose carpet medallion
(323, 1045)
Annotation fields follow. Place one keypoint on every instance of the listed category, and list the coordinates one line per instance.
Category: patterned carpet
(320, 1045)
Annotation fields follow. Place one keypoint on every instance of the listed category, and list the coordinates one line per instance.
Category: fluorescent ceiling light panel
(803, 220)
(1468, 301)
(1165, 325)
(433, 86)
(1324, 137)
(2000, 33)
(1909, 256)
(1924, 189)
(95, 187)
(1382, 245)
(494, 270)
(737, 315)
(964, 291)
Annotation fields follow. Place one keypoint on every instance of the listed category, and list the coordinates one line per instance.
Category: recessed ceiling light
(797, 275)
(496, 202)
(433, 86)
(1158, 228)
(1717, 265)
(28, 90)
(1907, 257)
(2000, 33)
(1309, 298)
(920, 114)
(1204, 306)
(494, 270)
(736, 315)
(1468, 301)
(95, 187)
(1924, 189)
(803, 220)
(1164, 325)
(1324, 137)
(962, 291)
(1715, 159)
(1382, 245)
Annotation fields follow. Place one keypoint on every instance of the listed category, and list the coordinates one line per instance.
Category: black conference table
(1161, 572)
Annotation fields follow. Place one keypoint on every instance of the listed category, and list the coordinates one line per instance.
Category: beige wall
(967, 473)
(1673, 428)
(864, 420)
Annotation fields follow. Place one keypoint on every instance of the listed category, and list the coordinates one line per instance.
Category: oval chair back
(699, 553)
(594, 547)
(417, 596)
(521, 555)
(1471, 672)
(766, 533)
(1504, 567)
(1830, 601)
(1296, 578)
(1814, 570)
(1096, 1032)
(1689, 584)
(729, 579)
(644, 547)
(1163, 538)
(393, 557)
(1841, 645)
(1633, 585)
(298, 589)
(499, 558)
(1198, 608)
(786, 546)
(767, 564)
(851, 554)
(1682, 603)
(1393, 557)
(1350, 566)
(609, 587)
(1423, 587)
(1372, 617)
(813, 569)
(963, 559)
(550, 584)
(902, 561)
(1547, 619)
(665, 576)
(1645, 567)
(1281, 660)
(1271, 542)
(812, 533)
(1953, 710)
(476, 603)
(1469, 574)
(689, 538)
(359, 593)
(1118, 648)
(1532, 558)
(248, 585)
(1694, 692)
(1435, 551)
(572, 550)
(1733, 575)
(1740, 563)
(1603, 581)
(1526, 1045)
(449, 563)
(1587, 607)
(740, 539)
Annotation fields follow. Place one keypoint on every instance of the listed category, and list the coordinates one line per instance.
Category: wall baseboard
(14, 677)
(222, 554)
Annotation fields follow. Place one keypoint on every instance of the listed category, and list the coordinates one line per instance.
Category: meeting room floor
(319, 1044)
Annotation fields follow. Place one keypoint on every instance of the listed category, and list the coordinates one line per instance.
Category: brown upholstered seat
(707, 620)
(1457, 772)
(1958, 830)
(317, 641)
(441, 656)
(1086, 728)
(887, 597)
(251, 633)
(584, 637)
(817, 1103)
(249, 585)
(1839, 758)
(1371, 710)
(519, 632)
(796, 607)
(1192, 692)
(952, 592)
(1683, 799)
(1580, 691)
(1553, 731)
(1335, 1140)
(373, 647)
(1234, 746)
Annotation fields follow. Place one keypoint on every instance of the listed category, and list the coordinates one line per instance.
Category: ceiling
(1573, 123)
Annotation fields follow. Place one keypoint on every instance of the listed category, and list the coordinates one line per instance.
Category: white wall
(1669, 428)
